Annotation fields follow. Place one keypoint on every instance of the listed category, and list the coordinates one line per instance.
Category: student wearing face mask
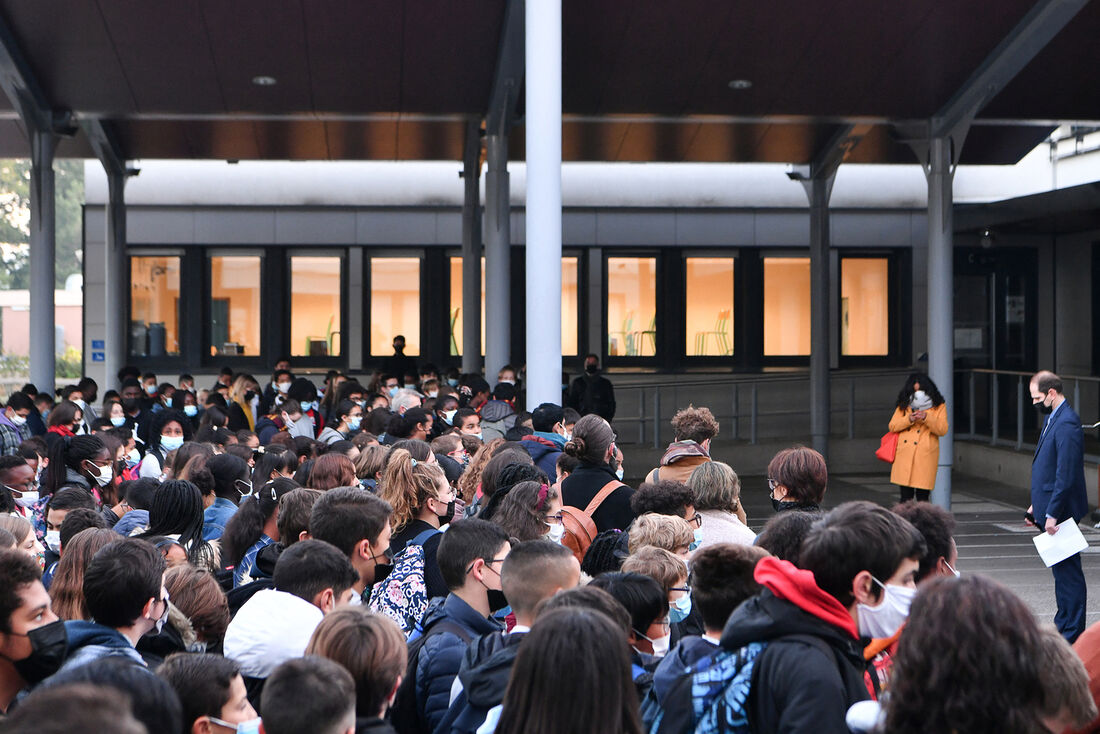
(13, 423)
(244, 403)
(358, 524)
(919, 419)
(312, 422)
(212, 693)
(124, 592)
(548, 441)
(530, 510)
(349, 415)
(169, 430)
(18, 485)
(650, 629)
(32, 639)
(805, 633)
(594, 485)
(83, 462)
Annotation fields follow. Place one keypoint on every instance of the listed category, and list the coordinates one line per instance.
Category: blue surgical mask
(679, 610)
(252, 726)
(118, 421)
(190, 410)
(449, 416)
(619, 473)
(171, 443)
(307, 406)
(393, 390)
(452, 382)
(353, 423)
(698, 539)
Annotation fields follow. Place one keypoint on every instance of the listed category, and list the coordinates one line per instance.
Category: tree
(15, 217)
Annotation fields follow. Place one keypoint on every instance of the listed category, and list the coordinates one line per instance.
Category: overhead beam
(1015, 51)
(20, 85)
(106, 147)
(510, 69)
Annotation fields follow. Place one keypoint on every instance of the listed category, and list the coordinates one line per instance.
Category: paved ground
(991, 534)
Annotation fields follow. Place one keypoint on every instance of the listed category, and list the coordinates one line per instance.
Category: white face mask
(171, 443)
(27, 499)
(884, 620)
(952, 569)
(449, 416)
(18, 420)
(619, 473)
(660, 644)
(53, 540)
(245, 727)
(283, 387)
(556, 532)
(103, 474)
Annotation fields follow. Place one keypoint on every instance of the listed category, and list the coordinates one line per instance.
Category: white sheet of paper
(1063, 544)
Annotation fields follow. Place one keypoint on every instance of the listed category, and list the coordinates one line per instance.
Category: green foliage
(15, 177)
(69, 365)
(14, 364)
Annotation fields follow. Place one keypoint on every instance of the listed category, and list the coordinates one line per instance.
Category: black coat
(484, 674)
(593, 394)
(578, 489)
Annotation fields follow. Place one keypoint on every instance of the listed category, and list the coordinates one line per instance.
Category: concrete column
(941, 347)
(498, 260)
(43, 260)
(818, 189)
(471, 254)
(114, 285)
(543, 131)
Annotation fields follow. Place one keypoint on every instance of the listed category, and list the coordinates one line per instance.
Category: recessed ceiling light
(263, 81)
(740, 84)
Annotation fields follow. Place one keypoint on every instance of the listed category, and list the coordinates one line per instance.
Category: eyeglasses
(555, 519)
(696, 520)
(685, 589)
(488, 564)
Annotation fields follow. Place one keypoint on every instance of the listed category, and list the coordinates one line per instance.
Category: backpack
(580, 530)
(402, 596)
(405, 712)
(711, 697)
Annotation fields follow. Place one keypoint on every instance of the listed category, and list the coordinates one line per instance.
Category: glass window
(569, 309)
(315, 291)
(786, 306)
(709, 306)
(154, 306)
(235, 305)
(394, 304)
(456, 306)
(632, 306)
(864, 306)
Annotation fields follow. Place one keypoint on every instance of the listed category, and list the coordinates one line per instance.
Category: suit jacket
(1058, 469)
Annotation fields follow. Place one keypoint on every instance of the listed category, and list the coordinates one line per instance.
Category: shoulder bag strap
(606, 490)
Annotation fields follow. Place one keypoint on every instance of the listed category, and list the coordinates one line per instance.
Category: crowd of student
(420, 555)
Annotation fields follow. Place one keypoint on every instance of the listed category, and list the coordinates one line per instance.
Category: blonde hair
(371, 460)
(661, 531)
(408, 484)
(17, 526)
(67, 589)
(662, 566)
(470, 480)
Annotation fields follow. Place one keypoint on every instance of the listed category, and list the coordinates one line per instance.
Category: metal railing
(996, 405)
(657, 401)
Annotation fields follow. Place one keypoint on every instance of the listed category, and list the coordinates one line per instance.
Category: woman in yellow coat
(920, 418)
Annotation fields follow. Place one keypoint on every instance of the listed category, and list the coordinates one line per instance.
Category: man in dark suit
(1058, 492)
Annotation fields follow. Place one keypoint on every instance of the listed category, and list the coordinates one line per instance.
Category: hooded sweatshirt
(486, 667)
(813, 668)
(271, 628)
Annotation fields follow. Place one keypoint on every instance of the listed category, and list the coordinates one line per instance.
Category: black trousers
(908, 493)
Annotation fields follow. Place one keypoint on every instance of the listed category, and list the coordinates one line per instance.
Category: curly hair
(695, 424)
(968, 662)
(662, 531)
(605, 554)
(522, 512)
(926, 385)
(407, 484)
(470, 481)
(665, 497)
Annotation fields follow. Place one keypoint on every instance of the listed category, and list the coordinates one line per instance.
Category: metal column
(498, 262)
(42, 260)
(543, 143)
(471, 252)
(114, 296)
(940, 301)
(819, 188)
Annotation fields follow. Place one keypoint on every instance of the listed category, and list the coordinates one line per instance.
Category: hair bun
(575, 447)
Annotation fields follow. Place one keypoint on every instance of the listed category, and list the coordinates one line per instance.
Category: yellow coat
(918, 447)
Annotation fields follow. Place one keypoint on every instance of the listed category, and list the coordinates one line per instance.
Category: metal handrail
(659, 393)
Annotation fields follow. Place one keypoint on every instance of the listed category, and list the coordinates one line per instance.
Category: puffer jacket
(484, 674)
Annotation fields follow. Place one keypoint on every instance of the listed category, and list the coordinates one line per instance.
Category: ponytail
(407, 484)
(69, 452)
(247, 524)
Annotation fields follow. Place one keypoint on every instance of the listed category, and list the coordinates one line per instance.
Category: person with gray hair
(405, 399)
(717, 492)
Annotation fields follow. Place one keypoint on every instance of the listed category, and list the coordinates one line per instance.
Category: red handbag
(888, 447)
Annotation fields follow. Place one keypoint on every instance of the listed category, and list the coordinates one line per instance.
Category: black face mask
(49, 648)
(1044, 409)
(780, 505)
(444, 519)
(497, 600)
(249, 394)
(591, 368)
(130, 405)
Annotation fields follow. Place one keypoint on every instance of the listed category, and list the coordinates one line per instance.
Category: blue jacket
(216, 517)
(441, 656)
(1058, 469)
(545, 448)
(674, 666)
(89, 641)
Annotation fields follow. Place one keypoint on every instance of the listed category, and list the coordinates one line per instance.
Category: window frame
(661, 352)
(247, 360)
(427, 348)
(167, 363)
(896, 353)
(304, 362)
(735, 360)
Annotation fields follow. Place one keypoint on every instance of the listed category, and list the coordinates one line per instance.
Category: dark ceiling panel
(1062, 82)
(593, 37)
(13, 143)
(355, 50)
(71, 53)
(449, 54)
(362, 140)
(296, 140)
(253, 38)
(166, 54)
(156, 139)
